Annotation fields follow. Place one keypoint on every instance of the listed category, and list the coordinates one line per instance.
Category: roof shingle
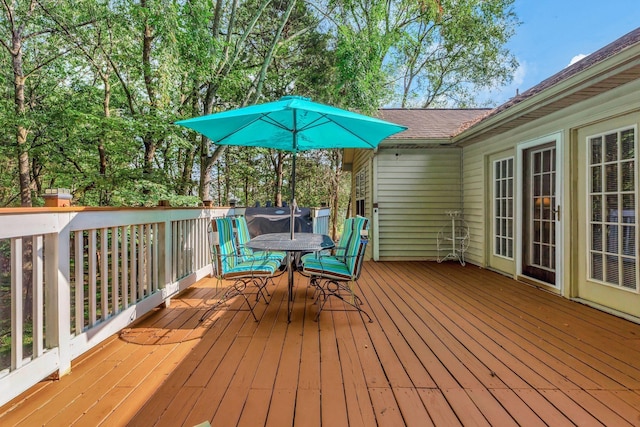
(429, 123)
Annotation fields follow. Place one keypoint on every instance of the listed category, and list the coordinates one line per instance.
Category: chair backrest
(357, 268)
(347, 232)
(243, 236)
(357, 244)
(224, 244)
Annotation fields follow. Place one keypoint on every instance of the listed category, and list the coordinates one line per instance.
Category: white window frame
(501, 217)
(558, 138)
(589, 222)
(361, 190)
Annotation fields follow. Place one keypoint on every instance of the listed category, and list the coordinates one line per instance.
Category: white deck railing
(77, 276)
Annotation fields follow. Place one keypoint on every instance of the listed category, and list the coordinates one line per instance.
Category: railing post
(17, 313)
(320, 220)
(58, 294)
(165, 243)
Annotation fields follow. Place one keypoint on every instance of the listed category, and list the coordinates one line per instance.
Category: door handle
(557, 212)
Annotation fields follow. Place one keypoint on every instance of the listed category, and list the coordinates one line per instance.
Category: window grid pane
(542, 239)
(361, 191)
(613, 235)
(503, 205)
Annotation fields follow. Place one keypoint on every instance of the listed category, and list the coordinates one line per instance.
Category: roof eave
(547, 101)
(348, 154)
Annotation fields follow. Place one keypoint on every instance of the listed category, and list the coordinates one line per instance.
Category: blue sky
(554, 32)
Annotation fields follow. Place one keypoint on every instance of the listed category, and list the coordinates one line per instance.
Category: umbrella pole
(293, 196)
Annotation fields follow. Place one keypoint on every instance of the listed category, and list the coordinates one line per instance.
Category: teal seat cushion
(257, 268)
(325, 259)
(257, 255)
(342, 246)
(332, 270)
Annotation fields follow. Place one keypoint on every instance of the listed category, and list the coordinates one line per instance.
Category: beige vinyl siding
(475, 164)
(363, 160)
(474, 196)
(476, 173)
(415, 188)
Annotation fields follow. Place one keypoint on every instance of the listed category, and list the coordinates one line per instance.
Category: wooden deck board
(449, 339)
(508, 368)
(519, 337)
(412, 408)
(517, 408)
(551, 415)
(449, 345)
(440, 412)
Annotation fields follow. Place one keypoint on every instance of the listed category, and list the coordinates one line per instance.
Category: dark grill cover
(276, 220)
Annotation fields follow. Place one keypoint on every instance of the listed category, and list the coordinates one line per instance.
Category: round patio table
(301, 242)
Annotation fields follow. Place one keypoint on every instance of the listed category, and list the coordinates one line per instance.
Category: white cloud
(498, 95)
(519, 75)
(576, 59)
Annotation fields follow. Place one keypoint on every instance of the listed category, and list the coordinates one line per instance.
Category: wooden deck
(449, 345)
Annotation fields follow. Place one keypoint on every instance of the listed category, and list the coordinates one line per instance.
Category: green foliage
(422, 53)
(99, 110)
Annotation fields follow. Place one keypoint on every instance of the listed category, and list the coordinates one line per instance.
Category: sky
(552, 33)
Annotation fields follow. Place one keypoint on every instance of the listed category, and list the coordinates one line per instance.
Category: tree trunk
(106, 108)
(185, 185)
(148, 139)
(207, 160)
(149, 153)
(206, 167)
(279, 178)
(336, 160)
(21, 131)
(102, 151)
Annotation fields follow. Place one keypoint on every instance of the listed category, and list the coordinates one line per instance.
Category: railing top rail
(37, 221)
(45, 210)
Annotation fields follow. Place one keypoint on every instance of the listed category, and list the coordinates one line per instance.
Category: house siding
(476, 184)
(415, 180)
(605, 110)
(474, 194)
(415, 187)
(363, 159)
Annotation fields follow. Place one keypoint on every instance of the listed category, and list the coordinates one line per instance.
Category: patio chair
(335, 275)
(243, 237)
(349, 227)
(229, 264)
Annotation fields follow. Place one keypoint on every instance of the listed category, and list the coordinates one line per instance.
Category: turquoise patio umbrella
(293, 124)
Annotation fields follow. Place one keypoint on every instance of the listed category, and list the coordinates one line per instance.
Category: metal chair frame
(254, 271)
(328, 284)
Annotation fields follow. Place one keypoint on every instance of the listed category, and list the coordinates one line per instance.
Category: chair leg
(262, 291)
(333, 288)
(314, 282)
(236, 289)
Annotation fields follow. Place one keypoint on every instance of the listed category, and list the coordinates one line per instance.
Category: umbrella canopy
(293, 124)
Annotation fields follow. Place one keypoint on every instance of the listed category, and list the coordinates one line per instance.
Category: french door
(540, 213)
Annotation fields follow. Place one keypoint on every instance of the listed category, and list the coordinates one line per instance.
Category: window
(613, 203)
(541, 207)
(361, 191)
(503, 207)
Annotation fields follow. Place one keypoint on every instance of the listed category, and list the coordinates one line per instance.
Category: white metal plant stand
(453, 239)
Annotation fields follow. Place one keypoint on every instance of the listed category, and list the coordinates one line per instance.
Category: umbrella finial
(294, 98)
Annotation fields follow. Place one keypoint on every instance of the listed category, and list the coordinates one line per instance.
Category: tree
(92, 88)
(256, 51)
(422, 53)
(24, 26)
(447, 60)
